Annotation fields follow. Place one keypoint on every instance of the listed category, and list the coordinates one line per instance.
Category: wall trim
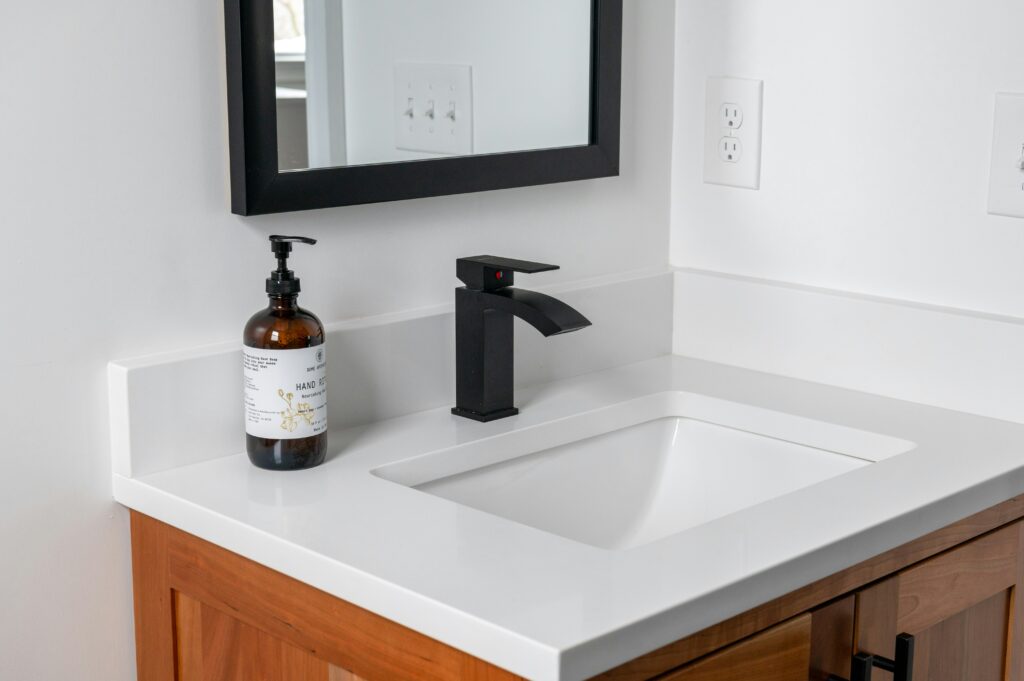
(946, 309)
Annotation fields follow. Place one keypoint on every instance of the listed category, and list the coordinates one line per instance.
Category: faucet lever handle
(489, 272)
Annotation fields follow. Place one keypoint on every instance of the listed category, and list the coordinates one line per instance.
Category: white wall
(530, 59)
(877, 134)
(118, 242)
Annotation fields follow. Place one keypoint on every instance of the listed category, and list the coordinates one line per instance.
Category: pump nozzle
(283, 281)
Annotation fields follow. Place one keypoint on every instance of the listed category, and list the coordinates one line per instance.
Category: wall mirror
(342, 102)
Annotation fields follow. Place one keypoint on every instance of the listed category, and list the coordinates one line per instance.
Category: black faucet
(484, 308)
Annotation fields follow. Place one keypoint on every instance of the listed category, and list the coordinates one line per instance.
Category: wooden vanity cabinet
(956, 590)
(783, 653)
(205, 614)
(963, 608)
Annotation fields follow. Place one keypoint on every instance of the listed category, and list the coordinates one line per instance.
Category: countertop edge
(984, 467)
(676, 623)
(462, 631)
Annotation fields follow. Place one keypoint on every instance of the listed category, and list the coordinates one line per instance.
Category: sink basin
(627, 475)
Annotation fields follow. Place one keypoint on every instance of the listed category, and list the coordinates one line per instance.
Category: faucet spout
(548, 315)
(484, 311)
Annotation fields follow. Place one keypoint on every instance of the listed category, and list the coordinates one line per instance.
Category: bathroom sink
(636, 472)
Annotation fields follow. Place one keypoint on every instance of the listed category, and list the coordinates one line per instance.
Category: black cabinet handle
(902, 667)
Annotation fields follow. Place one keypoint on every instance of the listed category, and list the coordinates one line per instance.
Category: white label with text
(285, 392)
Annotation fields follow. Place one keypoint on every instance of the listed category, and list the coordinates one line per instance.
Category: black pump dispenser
(282, 281)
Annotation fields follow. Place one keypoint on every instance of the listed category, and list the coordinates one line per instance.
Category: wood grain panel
(969, 645)
(959, 606)
(832, 639)
(188, 634)
(339, 632)
(244, 604)
(154, 609)
(955, 581)
(877, 608)
(779, 654)
(213, 646)
(1015, 646)
(731, 630)
(298, 665)
(339, 674)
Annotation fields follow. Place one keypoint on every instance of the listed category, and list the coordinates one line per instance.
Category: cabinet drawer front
(956, 580)
(782, 653)
(213, 646)
(961, 606)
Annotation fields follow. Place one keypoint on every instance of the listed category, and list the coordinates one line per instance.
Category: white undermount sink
(639, 471)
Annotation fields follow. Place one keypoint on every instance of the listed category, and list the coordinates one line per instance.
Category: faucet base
(484, 418)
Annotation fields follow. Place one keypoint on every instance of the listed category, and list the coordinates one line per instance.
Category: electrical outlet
(1006, 180)
(732, 132)
(730, 149)
(731, 116)
(433, 108)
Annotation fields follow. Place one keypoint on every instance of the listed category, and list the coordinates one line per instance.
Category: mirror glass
(382, 81)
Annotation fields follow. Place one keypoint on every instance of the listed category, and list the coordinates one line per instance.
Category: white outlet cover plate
(449, 87)
(748, 96)
(1006, 181)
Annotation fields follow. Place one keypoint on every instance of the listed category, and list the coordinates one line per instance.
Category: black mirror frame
(259, 187)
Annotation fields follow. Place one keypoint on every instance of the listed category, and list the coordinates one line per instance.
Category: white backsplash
(179, 408)
(944, 357)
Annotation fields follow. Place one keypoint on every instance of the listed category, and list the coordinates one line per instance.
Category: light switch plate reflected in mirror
(433, 108)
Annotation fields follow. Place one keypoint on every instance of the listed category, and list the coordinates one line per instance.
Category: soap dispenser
(285, 374)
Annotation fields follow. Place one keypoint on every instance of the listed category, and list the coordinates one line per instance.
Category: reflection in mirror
(380, 81)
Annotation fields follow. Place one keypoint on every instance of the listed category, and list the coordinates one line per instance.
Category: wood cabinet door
(214, 646)
(203, 613)
(782, 653)
(963, 608)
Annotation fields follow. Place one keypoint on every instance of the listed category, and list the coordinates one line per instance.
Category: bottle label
(285, 392)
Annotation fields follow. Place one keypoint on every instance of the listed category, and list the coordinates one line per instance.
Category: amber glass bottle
(285, 368)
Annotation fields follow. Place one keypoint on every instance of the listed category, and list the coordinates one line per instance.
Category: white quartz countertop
(550, 608)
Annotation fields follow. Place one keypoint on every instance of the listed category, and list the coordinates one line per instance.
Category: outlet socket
(730, 149)
(731, 116)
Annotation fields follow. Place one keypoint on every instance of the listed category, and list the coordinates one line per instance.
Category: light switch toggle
(441, 121)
